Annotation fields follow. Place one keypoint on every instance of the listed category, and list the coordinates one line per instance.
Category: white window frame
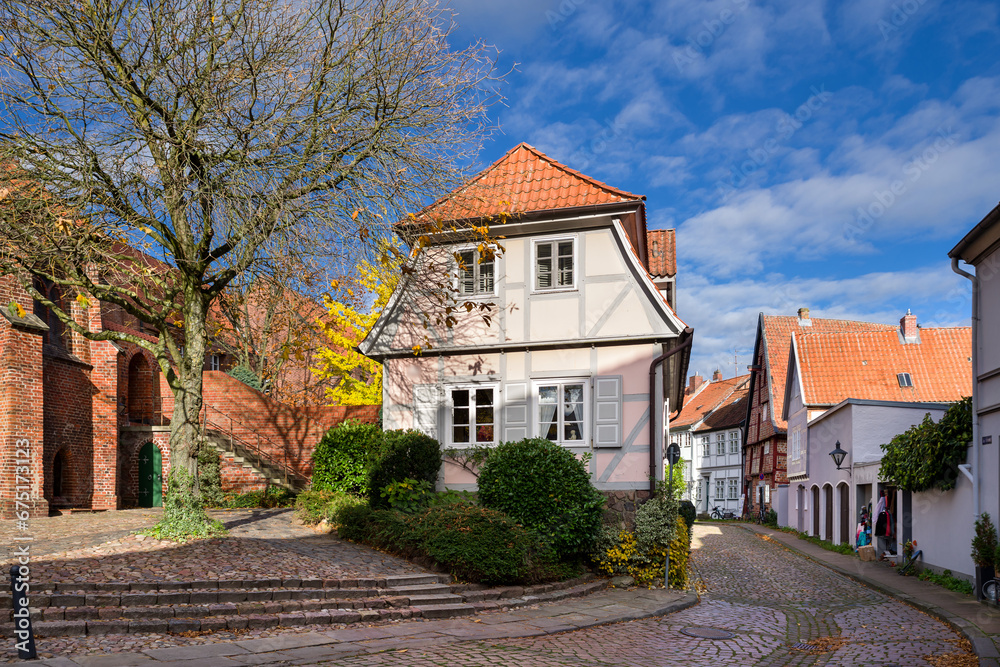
(720, 488)
(215, 362)
(456, 281)
(733, 488)
(734, 442)
(450, 421)
(720, 444)
(588, 415)
(554, 241)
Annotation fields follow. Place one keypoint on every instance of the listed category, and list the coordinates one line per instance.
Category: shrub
(771, 519)
(268, 497)
(984, 542)
(411, 496)
(246, 376)
(473, 543)
(184, 515)
(680, 550)
(403, 455)
(342, 459)
(209, 475)
(546, 488)
(655, 522)
(689, 514)
(928, 455)
(311, 507)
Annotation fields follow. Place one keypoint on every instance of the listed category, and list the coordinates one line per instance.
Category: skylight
(904, 379)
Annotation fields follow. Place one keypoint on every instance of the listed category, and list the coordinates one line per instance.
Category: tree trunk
(188, 398)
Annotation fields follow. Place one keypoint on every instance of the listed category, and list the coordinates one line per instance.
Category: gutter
(687, 336)
(976, 474)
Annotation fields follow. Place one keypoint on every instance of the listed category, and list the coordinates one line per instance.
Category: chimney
(693, 384)
(804, 320)
(717, 375)
(908, 327)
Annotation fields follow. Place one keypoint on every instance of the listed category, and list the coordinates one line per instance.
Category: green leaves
(545, 487)
(342, 459)
(928, 455)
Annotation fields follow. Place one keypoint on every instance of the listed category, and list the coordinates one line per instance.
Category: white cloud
(724, 315)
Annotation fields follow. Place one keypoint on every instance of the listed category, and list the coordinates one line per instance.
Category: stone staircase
(68, 609)
(231, 450)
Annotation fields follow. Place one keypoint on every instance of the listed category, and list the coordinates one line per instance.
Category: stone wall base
(621, 506)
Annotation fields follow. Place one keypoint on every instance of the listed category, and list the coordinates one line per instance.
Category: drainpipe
(686, 336)
(975, 384)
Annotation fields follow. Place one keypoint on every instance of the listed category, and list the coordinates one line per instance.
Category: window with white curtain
(562, 411)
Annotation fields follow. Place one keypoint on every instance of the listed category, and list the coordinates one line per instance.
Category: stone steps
(117, 608)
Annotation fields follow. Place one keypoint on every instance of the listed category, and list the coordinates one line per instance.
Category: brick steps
(117, 608)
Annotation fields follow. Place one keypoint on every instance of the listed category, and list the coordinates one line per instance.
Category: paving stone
(198, 652)
(291, 619)
(101, 600)
(147, 612)
(138, 625)
(178, 625)
(60, 628)
(213, 624)
(255, 621)
(80, 613)
(109, 627)
(173, 598)
(204, 597)
(138, 599)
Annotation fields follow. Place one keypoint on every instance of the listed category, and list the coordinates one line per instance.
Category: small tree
(928, 455)
(984, 542)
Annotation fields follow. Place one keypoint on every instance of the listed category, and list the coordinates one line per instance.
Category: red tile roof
(711, 396)
(777, 341)
(731, 413)
(864, 365)
(525, 180)
(662, 248)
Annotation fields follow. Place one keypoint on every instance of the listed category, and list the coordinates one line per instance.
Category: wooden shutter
(608, 411)
(426, 401)
(515, 411)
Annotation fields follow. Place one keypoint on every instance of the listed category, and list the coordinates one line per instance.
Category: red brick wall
(68, 408)
(237, 479)
(21, 406)
(285, 433)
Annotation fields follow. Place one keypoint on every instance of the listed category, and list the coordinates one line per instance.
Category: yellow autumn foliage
(350, 318)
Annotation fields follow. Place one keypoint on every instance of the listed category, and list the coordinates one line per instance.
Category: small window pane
(461, 434)
(547, 394)
(484, 397)
(461, 415)
(573, 431)
(460, 397)
(484, 433)
(486, 278)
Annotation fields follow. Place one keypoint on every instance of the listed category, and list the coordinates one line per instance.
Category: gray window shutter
(426, 401)
(608, 411)
(515, 411)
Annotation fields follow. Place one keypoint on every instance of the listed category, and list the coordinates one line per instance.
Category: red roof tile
(662, 248)
(864, 365)
(525, 180)
(710, 397)
(731, 413)
(777, 341)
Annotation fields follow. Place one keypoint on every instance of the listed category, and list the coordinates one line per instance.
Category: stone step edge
(146, 586)
(206, 610)
(479, 593)
(238, 622)
(553, 596)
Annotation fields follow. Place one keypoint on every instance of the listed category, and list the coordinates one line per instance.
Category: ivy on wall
(928, 455)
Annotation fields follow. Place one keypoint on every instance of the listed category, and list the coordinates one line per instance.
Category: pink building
(582, 346)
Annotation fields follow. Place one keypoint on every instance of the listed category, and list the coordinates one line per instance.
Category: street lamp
(838, 455)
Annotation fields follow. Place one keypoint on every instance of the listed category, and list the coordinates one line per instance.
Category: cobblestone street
(766, 596)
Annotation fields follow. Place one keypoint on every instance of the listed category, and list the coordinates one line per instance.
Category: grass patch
(845, 549)
(947, 580)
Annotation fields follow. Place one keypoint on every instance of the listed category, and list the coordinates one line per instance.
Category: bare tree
(215, 134)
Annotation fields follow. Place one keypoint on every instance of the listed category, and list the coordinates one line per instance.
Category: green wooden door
(150, 476)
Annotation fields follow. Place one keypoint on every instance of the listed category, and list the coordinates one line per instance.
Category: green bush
(546, 488)
(984, 542)
(267, 498)
(928, 455)
(403, 455)
(473, 543)
(413, 495)
(311, 507)
(209, 475)
(246, 376)
(689, 514)
(771, 519)
(342, 459)
(184, 515)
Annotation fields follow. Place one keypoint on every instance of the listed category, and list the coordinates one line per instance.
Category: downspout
(975, 385)
(688, 336)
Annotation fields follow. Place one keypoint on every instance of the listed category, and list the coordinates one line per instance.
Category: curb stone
(982, 645)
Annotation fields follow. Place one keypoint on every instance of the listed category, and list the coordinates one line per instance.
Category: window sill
(555, 290)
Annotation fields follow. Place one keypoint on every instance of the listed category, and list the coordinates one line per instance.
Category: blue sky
(809, 153)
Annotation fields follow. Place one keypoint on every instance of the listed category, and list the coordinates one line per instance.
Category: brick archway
(142, 390)
(62, 484)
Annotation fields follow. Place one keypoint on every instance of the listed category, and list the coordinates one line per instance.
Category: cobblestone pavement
(260, 544)
(766, 596)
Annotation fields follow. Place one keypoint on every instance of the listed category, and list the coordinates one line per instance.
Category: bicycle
(991, 590)
(722, 514)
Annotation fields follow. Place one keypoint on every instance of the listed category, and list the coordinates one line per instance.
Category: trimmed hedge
(473, 543)
(403, 455)
(546, 488)
(315, 506)
(343, 458)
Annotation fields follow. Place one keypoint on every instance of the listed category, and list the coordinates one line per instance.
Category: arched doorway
(150, 476)
(60, 476)
(800, 505)
(140, 390)
(828, 497)
(845, 513)
(815, 516)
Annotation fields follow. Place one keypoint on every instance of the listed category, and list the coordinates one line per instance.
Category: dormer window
(555, 263)
(905, 380)
(475, 272)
